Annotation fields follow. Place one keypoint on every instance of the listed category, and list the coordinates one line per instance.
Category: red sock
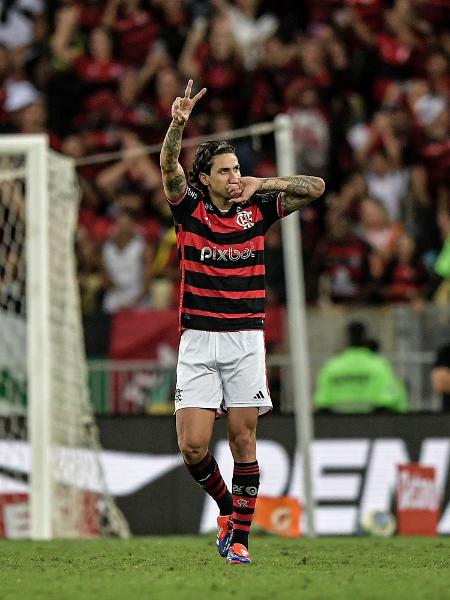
(207, 474)
(245, 492)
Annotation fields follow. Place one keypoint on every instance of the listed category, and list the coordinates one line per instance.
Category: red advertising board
(417, 500)
(15, 513)
(14, 516)
(137, 334)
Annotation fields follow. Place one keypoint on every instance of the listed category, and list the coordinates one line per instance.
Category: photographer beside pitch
(220, 219)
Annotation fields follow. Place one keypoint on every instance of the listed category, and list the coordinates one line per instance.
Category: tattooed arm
(174, 179)
(297, 191)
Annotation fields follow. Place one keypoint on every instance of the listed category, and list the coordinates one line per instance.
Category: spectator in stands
(277, 68)
(90, 277)
(349, 197)
(136, 28)
(377, 229)
(311, 132)
(96, 68)
(22, 24)
(387, 183)
(167, 84)
(441, 287)
(437, 74)
(440, 375)
(175, 17)
(367, 82)
(27, 111)
(212, 57)
(405, 277)
(136, 169)
(166, 271)
(250, 27)
(124, 107)
(127, 264)
(359, 380)
(315, 65)
(341, 263)
(434, 154)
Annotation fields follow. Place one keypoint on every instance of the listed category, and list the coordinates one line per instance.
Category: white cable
(252, 130)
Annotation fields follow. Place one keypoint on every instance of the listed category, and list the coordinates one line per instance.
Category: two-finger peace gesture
(182, 107)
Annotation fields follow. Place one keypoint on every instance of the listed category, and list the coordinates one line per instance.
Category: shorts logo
(178, 395)
(227, 253)
(245, 219)
(251, 490)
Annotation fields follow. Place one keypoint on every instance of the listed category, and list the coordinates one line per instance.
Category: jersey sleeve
(270, 207)
(183, 206)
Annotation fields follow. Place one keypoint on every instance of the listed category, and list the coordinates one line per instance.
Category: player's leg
(194, 430)
(246, 396)
(198, 396)
(242, 438)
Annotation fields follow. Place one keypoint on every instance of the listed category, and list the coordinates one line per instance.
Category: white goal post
(296, 318)
(56, 445)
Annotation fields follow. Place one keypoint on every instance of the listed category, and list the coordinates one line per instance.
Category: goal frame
(39, 366)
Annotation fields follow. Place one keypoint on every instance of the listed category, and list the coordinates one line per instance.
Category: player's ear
(204, 178)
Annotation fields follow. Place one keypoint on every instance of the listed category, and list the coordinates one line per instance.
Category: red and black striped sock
(245, 492)
(207, 474)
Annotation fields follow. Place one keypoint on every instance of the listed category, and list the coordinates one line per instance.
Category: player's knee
(243, 445)
(193, 451)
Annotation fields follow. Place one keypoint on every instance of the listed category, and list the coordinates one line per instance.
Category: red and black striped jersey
(222, 260)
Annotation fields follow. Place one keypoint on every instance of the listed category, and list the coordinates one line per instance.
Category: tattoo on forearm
(171, 148)
(298, 191)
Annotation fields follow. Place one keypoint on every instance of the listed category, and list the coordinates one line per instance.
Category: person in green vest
(441, 291)
(359, 380)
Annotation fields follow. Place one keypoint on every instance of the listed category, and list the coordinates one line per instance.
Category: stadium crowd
(367, 85)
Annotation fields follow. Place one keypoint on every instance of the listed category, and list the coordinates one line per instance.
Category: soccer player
(221, 218)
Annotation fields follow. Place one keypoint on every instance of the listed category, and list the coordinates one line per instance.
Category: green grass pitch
(189, 568)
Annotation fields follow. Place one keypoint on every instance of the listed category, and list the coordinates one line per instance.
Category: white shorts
(222, 369)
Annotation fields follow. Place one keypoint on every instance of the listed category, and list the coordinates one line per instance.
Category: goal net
(51, 479)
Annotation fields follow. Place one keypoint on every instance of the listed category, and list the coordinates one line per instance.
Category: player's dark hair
(203, 160)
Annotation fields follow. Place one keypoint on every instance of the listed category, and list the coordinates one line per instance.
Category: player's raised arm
(298, 191)
(174, 179)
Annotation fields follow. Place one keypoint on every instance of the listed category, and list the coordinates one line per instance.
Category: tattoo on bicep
(176, 184)
(292, 203)
(302, 187)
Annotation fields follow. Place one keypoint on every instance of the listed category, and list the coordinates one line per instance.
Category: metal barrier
(407, 338)
(143, 387)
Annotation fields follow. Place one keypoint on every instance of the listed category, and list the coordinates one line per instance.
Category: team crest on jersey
(245, 219)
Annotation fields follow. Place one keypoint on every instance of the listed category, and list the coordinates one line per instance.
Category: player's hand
(244, 190)
(182, 107)
(234, 187)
